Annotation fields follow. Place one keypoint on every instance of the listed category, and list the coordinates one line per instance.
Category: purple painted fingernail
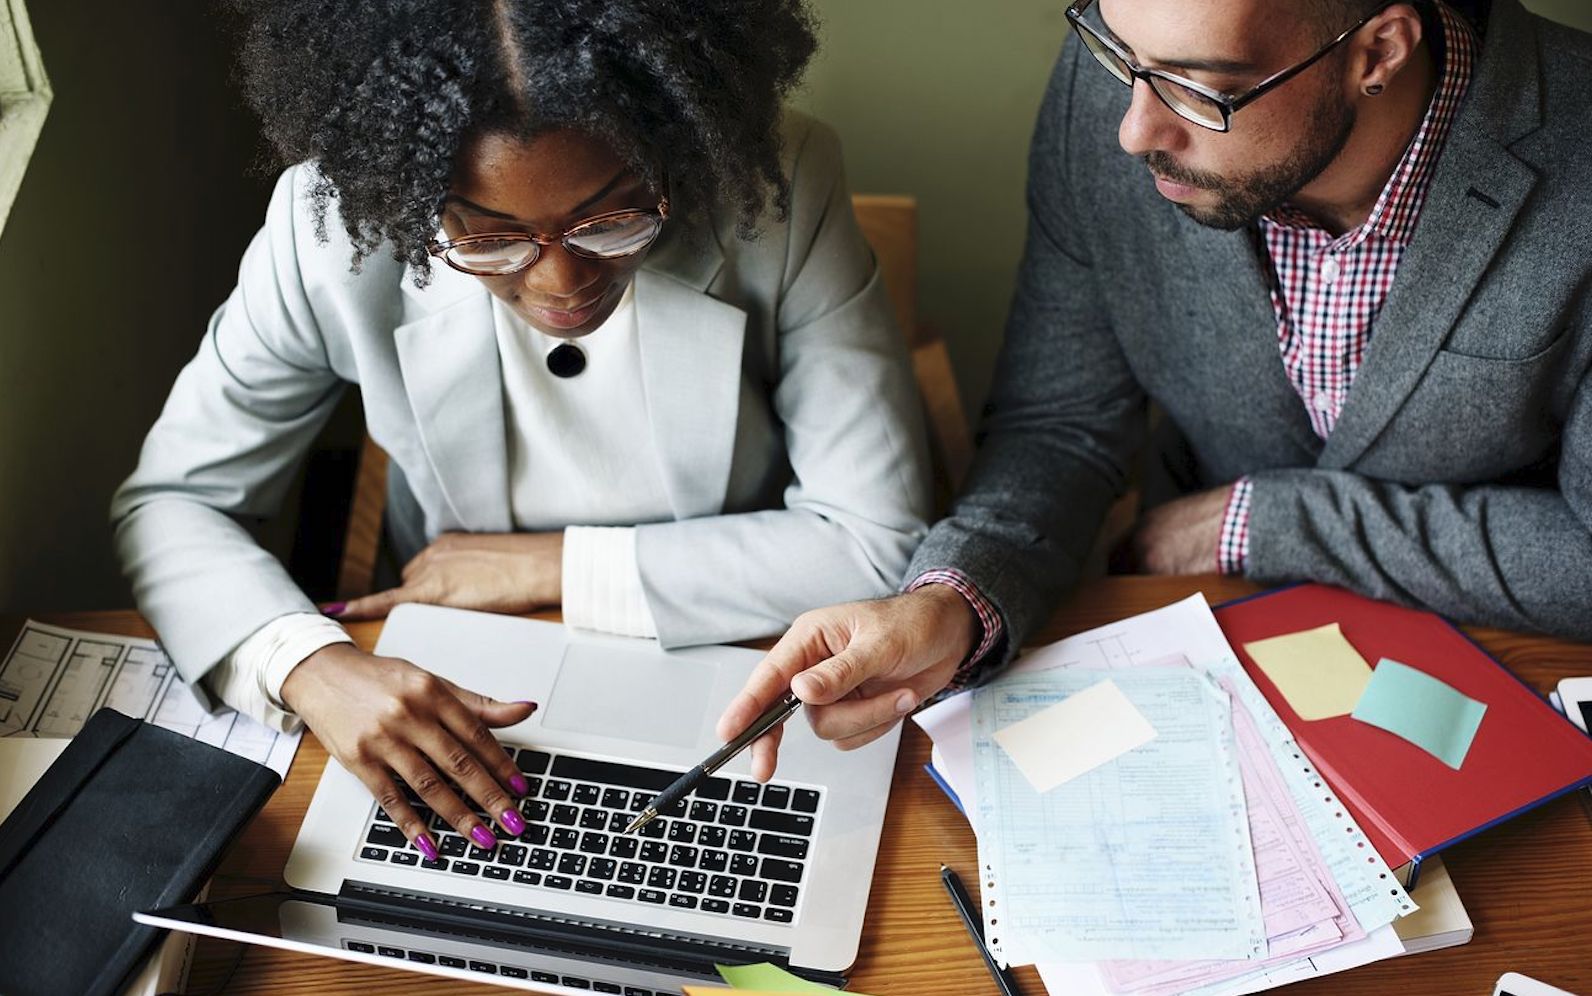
(527, 702)
(335, 609)
(481, 835)
(512, 822)
(520, 786)
(424, 845)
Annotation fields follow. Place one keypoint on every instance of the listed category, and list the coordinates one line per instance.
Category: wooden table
(1527, 885)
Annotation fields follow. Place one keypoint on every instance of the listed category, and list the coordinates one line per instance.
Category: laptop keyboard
(734, 848)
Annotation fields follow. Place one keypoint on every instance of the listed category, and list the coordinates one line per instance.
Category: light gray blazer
(779, 399)
(1459, 477)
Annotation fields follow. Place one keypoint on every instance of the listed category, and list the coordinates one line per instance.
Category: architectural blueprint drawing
(53, 679)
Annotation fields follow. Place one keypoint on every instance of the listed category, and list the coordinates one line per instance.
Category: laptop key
(594, 843)
(514, 972)
(682, 901)
(776, 796)
(542, 859)
(528, 877)
(633, 872)
(587, 795)
(623, 847)
(452, 846)
(572, 864)
(777, 915)
(565, 839)
(606, 987)
(617, 822)
(714, 861)
(373, 853)
(704, 812)
(381, 815)
(533, 788)
(536, 833)
(602, 868)
(586, 769)
(565, 815)
(512, 855)
(451, 962)
(621, 892)
(615, 798)
(594, 819)
(556, 789)
(804, 801)
(575, 982)
(711, 836)
(650, 896)
(483, 966)
(639, 800)
(752, 890)
(441, 864)
(732, 816)
(681, 832)
(653, 850)
(532, 762)
(589, 887)
(682, 856)
(714, 788)
(495, 872)
(536, 811)
(781, 846)
(465, 868)
(722, 886)
(782, 871)
(661, 878)
(743, 864)
(747, 793)
(786, 823)
(556, 882)
(545, 977)
(782, 895)
(715, 906)
(479, 854)
(692, 882)
(405, 858)
(655, 829)
(746, 910)
(389, 952)
(742, 840)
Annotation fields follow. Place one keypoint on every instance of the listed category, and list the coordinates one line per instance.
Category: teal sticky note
(1429, 713)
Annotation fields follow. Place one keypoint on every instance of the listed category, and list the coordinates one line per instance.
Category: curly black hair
(381, 94)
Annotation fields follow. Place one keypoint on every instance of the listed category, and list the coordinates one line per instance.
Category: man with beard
(1345, 246)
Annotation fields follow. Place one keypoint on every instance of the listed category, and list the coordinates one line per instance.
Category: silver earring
(1373, 89)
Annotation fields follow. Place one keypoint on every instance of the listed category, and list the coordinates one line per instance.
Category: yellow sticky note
(1316, 670)
(763, 979)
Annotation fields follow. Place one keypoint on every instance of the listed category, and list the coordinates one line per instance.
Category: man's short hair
(1336, 16)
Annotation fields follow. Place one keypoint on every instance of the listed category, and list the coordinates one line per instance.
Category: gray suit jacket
(1459, 476)
(779, 398)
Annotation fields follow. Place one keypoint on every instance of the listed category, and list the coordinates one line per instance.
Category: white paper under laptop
(745, 873)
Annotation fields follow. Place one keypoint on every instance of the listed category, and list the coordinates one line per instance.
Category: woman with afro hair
(612, 320)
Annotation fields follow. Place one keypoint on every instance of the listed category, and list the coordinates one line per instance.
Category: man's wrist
(986, 628)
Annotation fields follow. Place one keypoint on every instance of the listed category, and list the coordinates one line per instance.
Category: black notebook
(130, 817)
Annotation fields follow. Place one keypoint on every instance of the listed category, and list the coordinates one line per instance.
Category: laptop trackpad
(628, 694)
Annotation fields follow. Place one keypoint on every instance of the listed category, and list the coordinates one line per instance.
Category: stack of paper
(1147, 825)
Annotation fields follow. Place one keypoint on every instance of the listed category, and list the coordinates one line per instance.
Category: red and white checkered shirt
(1329, 289)
(1327, 294)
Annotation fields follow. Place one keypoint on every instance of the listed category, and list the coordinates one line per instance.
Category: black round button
(567, 360)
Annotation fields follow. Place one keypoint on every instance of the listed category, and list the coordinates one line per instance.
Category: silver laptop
(738, 873)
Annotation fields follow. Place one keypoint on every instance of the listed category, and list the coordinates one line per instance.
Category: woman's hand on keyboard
(858, 668)
(387, 720)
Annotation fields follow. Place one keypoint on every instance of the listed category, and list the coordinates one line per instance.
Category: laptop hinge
(589, 939)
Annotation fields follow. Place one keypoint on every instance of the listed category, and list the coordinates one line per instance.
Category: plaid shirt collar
(1398, 207)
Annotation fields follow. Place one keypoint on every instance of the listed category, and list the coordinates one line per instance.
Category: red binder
(1409, 803)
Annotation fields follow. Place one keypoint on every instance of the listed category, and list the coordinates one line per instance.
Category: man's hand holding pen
(859, 668)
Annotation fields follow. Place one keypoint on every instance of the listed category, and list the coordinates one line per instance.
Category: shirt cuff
(1232, 550)
(602, 582)
(989, 620)
(250, 678)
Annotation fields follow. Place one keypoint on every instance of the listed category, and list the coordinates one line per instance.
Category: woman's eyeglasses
(1187, 99)
(605, 236)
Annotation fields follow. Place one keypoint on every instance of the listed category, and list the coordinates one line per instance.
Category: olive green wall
(937, 98)
(140, 198)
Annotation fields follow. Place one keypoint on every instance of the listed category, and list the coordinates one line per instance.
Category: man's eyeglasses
(1189, 100)
(605, 236)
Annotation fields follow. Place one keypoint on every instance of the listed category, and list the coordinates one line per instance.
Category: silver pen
(683, 786)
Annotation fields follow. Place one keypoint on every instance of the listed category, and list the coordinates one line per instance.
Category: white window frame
(24, 99)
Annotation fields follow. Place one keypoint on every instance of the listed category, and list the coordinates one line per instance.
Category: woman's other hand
(386, 719)
(493, 572)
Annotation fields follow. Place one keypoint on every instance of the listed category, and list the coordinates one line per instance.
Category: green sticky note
(767, 978)
(1429, 713)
